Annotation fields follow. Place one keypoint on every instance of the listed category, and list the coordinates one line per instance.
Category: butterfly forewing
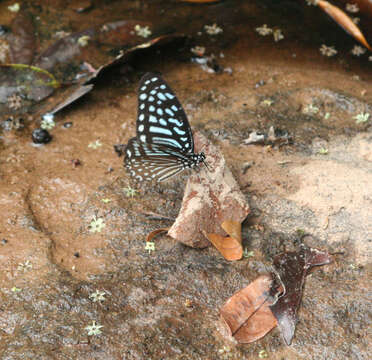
(161, 118)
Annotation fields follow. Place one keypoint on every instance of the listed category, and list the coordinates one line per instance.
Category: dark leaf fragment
(291, 269)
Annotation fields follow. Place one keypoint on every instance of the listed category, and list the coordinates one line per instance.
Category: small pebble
(67, 125)
(41, 136)
(259, 83)
(3, 30)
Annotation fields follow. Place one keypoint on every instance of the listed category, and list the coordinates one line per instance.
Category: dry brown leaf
(230, 247)
(344, 21)
(247, 314)
(211, 198)
(152, 234)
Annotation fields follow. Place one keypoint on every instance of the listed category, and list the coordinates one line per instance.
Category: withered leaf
(231, 246)
(344, 21)
(291, 268)
(246, 314)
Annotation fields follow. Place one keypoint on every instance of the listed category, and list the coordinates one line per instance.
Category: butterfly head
(196, 159)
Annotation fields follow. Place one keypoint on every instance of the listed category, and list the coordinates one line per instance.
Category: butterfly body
(164, 144)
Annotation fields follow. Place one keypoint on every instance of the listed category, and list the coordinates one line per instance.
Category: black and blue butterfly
(164, 144)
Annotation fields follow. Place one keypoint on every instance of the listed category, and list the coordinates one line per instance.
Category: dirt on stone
(165, 304)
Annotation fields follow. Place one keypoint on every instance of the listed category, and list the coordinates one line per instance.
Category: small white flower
(328, 50)
(212, 29)
(61, 34)
(323, 151)
(278, 35)
(24, 266)
(267, 102)
(130, 192)
(14, 8)
(150, 246)
(14, 102)
(97, 296)
(83, 40)
(310, 109)
(361, 118)
(142, 31)
(264, 30)
(96, 225)
(94, 145)
(94, 329)
(358, 50)
(352, 8)
(48, 122)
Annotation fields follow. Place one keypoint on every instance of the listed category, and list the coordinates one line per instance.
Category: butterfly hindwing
(152, 162)
(161, 118)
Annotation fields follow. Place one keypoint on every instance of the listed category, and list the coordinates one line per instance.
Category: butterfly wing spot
(169, 96)
(142, 106)
(159, 130)
(163, 86)
(129, 153)
(153, 92)
(169, 112)
(175, 121)
(141, 117)
(161, 96)
(154, 79)
(143, 96)
(147, 82)
(179, 131)
(152, 108)
(141, 128)
(159, 111)
(162, 122)
(151, 98)
(174, 107)
(153, 119)
(143, 139)
(143, 88)
(159, 102)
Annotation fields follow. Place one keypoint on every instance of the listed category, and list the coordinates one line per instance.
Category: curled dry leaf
(291, 268)
(344, 21)
(211, 197)
(246, 314)
(152, 234)
(231, 246)
(273, 299)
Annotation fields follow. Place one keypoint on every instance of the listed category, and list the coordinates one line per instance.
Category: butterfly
(164, 145)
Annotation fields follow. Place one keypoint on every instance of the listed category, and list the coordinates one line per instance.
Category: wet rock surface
(67, 231)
